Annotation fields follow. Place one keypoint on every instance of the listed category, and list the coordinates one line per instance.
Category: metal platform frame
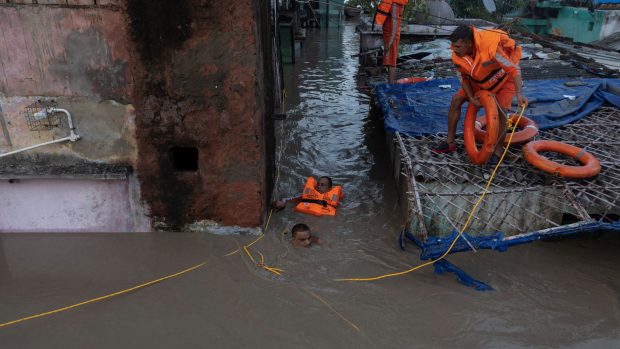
(438, 190)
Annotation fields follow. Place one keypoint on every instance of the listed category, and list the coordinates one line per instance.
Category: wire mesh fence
(443, 188)
(37, 119)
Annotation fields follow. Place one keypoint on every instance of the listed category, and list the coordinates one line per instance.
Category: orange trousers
(391, 35)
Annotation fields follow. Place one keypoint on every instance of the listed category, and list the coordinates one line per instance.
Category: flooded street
(558, 294)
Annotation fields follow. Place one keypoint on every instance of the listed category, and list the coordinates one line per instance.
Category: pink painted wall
(58, 205)
(54, 51)
(140, 78)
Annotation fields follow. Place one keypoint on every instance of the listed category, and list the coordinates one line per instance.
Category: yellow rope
(102, 297)
(245, 248)
(253, 242)
(271, 269)
(261, 264)
(471, 214)
(330, 307)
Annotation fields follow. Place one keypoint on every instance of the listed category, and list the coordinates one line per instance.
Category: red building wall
(193, 70)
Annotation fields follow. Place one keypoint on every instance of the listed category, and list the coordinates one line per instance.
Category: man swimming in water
(302, 236)
(323, 185)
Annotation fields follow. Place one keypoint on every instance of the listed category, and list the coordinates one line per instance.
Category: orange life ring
(480, 157)
(591, 168)
(529, 130)
(410, 80)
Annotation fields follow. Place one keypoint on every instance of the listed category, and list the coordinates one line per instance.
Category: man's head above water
(301, 235)
(323, 185)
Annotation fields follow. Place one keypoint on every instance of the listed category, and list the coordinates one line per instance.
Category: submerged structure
(572, 99)
(154, 91)
(441, 190)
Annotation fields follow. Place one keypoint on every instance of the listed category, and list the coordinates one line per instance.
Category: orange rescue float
(480, 157)
(591, 168)
(317, 204)
(411, 80)
(528, 131)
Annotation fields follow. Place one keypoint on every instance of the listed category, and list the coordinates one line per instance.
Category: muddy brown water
(557, 294)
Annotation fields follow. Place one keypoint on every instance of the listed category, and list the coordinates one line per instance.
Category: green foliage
(412, 7)
(462, 8)
(475, 9)
(469, 9)
(365, 4)
(507, 6)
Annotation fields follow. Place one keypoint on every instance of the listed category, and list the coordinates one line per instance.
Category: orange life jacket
(491, 47)
(384, 9)
(317, 204)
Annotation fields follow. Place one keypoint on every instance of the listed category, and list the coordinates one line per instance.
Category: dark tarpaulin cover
(422, 108)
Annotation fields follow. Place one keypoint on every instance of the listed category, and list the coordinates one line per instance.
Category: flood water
(558, 294)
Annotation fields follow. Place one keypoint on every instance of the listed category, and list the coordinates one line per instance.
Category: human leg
(504, 99)
(391, 39)
(454, 115)
(503, 125)
(391, 75)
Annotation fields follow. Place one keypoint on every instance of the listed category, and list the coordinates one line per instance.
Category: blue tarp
(422, 108)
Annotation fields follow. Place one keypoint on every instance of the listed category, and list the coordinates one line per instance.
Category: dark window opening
(184, 158)
(590, 26)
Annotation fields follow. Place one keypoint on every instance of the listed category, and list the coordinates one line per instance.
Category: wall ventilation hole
(184, 158)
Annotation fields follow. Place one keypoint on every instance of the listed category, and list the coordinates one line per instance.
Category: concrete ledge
(46, 167)
(81, 2)
(67, 3)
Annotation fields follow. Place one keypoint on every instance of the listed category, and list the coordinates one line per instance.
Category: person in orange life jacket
(323, 185)
(389, 15)
(489, 60)
(302, 236)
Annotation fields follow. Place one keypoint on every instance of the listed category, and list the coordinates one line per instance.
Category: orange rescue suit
(496, 60)
(384, 9)
(317, 204)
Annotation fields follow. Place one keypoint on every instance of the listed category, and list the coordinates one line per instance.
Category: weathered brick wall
(184, 73)
(82, 58)
(198, 88)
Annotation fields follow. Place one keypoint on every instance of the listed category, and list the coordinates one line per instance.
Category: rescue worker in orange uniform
(488, 60)
(389, 15)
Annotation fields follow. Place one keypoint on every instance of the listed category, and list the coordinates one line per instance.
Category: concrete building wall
(198, 87)
(61, 205)
(141, 79)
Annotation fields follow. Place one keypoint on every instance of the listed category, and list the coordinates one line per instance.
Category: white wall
(68, 205)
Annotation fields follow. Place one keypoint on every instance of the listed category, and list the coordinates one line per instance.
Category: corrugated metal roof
(609, 59)
(611, 42)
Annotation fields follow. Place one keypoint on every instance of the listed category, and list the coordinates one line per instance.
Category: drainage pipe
(43, 114)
